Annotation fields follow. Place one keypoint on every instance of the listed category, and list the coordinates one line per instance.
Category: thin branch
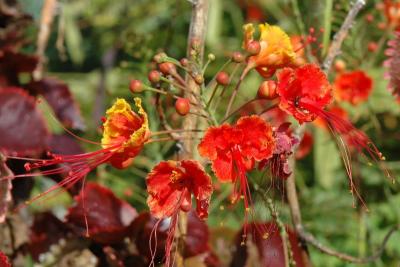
(48, 12)
(339, 37)
(309, 238)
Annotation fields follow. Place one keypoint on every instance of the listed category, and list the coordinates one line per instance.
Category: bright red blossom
(354, 87)
(301, 87)
(235, 148)
(170, 185)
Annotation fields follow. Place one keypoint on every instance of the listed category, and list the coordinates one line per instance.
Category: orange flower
(354, 87)
(276, 49)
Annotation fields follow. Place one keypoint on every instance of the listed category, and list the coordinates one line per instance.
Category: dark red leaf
(5, 188)
(11, 64)
(196, 241)
(46, 230)
(142, 228)
(108, 217)
(59, 97)
(270, 250)
(23, 130)
(4, 260)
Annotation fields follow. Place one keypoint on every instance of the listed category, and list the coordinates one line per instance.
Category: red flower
(392, 13)
(124, 135)
(4, 260)
(305, 85)
(234, 149)
(305, 92)
(354, 87)
(170, 186)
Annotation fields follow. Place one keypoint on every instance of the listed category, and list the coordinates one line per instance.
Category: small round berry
(369, 18)
(184, 62)
(339, 65)
(167, 68)
(154, 76)
(159, 58)
(211, 57)
(136, 86)
(372, 46)
(237, 57)
(267, 90)
(199, 79)
(182, 106)
(254, 48)
(222, 78)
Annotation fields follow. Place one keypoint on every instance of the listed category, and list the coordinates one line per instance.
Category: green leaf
(326, 159)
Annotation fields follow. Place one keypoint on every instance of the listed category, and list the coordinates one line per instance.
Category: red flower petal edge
(4, 260)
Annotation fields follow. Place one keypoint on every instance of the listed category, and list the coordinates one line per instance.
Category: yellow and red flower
(354, 87)
(125, 133)
(299, 88)
(276, 49)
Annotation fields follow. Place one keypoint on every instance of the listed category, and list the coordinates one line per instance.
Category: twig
(309, 238)
(48, 12)
(293, 201)
(195, 52)
(341, 35)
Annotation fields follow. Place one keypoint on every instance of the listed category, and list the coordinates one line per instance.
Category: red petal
(4, 260)
(258, 142)
(22, 127)
(164, 198)
(223, 167)
(108, 217)
(201, 185)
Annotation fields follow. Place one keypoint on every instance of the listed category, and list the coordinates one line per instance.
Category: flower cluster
(291, 87)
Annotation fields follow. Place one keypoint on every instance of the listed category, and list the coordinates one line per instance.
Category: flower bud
(222, 78)
(267, 90)
(158, 58)
(254, 48)
(182, 106)
(372, 46)
(136, 86)
(211, 57)
(154, 76)
(339, 65)
(237, 57)
(184, 62)
(199, 79)
(167, 68)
